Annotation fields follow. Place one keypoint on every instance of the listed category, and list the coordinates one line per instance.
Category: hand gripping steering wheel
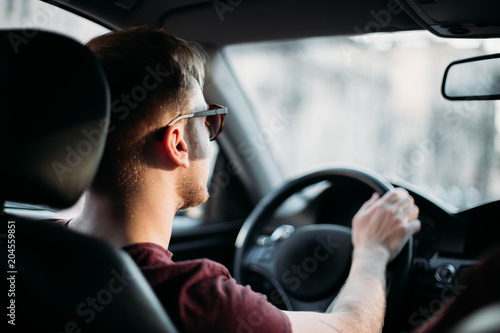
(308, 268)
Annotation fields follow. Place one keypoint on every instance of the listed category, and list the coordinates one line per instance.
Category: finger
(375, 196)
(409, 213)
(395, 195)
(413, 226)
(404, 203)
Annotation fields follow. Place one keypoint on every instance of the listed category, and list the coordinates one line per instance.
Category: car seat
(55, 111)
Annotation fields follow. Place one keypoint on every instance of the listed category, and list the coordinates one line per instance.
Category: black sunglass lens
(214, 125)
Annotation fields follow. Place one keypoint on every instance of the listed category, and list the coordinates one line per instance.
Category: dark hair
(149, 72)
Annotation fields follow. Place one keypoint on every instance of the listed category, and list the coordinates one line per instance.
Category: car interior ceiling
(239, 21)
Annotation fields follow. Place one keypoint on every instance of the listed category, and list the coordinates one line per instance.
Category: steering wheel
(307, 266)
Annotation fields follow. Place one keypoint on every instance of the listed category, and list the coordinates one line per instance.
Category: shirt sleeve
(201, 296)
(229, 307)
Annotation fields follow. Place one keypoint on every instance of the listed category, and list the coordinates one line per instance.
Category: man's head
(153, 77)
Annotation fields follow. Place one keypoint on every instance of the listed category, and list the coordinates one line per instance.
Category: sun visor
(456, 18)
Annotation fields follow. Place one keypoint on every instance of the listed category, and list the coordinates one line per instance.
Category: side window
(37, 14)
(229, 199)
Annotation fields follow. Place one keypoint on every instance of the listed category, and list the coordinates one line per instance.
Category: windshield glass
(374, 101)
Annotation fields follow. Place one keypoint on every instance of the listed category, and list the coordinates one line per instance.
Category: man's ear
(175, 146)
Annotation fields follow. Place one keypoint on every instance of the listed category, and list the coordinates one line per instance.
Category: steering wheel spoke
(261, 258)
(265, 261)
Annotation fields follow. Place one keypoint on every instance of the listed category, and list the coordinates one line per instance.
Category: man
(155, 163)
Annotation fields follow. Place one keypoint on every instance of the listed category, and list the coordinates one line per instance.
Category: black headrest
(54, 103)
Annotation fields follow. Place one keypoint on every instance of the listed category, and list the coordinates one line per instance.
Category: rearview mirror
(473, 78)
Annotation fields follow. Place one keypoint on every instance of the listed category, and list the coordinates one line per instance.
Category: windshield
(374, 101)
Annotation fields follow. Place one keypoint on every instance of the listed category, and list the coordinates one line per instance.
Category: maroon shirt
(200, 295)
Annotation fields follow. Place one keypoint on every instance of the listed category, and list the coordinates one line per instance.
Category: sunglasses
(214, 121)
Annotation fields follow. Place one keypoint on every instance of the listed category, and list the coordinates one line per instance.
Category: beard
(192, 187)
(192, 191)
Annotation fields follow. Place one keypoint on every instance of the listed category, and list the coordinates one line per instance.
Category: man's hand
(380, 230)
(385, 224)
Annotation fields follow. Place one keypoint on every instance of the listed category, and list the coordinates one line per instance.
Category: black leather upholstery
(55, 102)
(67, 282)
(54, 99)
